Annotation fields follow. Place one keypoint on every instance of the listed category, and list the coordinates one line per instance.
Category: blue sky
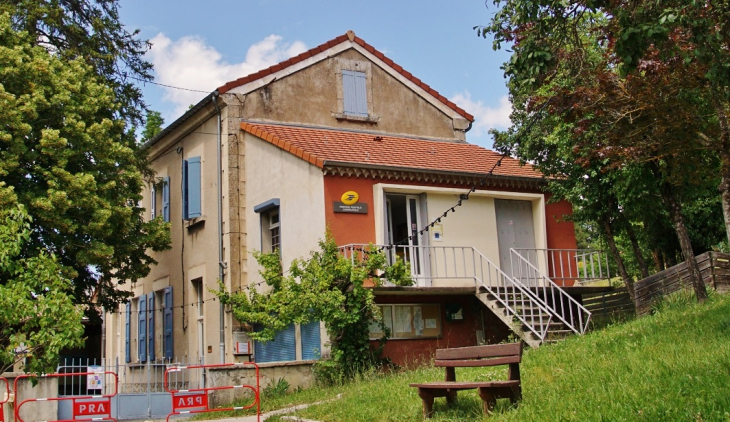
(201, 45)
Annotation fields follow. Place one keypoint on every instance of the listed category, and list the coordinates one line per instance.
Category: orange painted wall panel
(560, 233)
(349, 228)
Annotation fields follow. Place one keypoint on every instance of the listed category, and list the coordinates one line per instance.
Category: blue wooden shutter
(281, 349)
(192, 188)
(311, 341)
(127, 349)
(185, 189)
(166, 199)
(167, 322)
(355, 93)
(142, 329)
(151, 326)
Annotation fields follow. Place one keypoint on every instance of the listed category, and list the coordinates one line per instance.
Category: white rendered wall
(274, 173)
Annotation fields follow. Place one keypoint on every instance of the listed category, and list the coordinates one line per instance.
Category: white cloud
(190, 63)
(485, 117)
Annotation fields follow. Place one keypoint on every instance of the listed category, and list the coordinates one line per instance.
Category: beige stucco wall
(309, 97)
(194, 255)
(274, 173)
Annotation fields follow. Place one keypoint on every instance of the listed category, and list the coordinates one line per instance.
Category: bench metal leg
(427, 398)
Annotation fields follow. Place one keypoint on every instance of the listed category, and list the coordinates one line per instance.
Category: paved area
(264, 416)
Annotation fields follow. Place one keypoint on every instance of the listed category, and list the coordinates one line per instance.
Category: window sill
(365, 119)
(193, 222)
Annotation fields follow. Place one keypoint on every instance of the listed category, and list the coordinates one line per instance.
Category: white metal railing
(574, 315)
(453, 263)
(133, 378)
(568, 266)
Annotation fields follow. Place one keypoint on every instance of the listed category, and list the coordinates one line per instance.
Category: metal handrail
(441, 262)
(566, 266)
(534, 277)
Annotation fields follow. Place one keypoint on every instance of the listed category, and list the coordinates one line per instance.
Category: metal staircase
(533, 306)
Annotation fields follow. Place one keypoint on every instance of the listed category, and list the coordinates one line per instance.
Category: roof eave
(333, 163)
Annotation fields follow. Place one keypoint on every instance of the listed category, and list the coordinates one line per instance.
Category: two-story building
(341, 137)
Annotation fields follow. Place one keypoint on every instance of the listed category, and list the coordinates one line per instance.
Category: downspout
(221, 263)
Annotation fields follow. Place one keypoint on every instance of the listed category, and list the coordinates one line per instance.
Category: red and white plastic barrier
(4, 397)
(85, 408)
(195, 400)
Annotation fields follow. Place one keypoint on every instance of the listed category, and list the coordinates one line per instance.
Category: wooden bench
(489, 391)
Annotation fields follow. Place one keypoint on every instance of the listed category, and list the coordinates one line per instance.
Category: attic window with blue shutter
(354, 91)
(354, 83)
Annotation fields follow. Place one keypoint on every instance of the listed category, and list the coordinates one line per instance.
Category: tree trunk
(675, 210)
(608, 230)
(637, 250)
(722, 118)
(656, 255)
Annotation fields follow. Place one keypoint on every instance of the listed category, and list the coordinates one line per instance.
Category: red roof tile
(329, 44)
(319, 145)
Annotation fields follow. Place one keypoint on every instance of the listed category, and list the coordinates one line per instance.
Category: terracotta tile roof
(320, 145)
(329, 44)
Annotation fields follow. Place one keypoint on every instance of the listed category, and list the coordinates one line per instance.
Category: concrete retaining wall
(297, 374)
(45, 388)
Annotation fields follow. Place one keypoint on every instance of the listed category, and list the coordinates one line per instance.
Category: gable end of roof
(332, 43)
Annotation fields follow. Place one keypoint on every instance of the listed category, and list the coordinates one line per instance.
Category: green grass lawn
(672, 366)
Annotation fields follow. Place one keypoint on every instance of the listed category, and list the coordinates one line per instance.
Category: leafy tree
(89, 29)
(649, 118)
(37, 316)
(327, 287)
(153, 125)
(75, 167)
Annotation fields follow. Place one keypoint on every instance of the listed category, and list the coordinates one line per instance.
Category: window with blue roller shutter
(127, 332)
(281, 349)
(167, 323)
(142, 329)
(311, 341)
(166, 199)
(191, 188)
(151, 326)
(355, 93)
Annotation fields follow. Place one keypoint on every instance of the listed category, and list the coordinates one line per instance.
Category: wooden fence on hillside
(715, 269)
(615, 303)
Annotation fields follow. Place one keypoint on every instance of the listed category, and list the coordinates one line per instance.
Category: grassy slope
(672, 366)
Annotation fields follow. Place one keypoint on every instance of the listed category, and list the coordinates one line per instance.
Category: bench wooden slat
(474, 363)
(467, 385)
(475, 352)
